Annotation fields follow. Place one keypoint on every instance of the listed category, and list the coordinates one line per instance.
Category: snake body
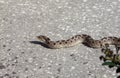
(83, 38)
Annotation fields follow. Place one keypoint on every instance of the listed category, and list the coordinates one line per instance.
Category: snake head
(43, 38)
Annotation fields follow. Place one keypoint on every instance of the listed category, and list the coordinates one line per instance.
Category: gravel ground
(22, 20)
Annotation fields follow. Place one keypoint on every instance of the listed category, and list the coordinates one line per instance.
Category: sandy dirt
(22, 20)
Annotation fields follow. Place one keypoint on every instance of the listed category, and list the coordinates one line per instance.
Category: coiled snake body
(83, 38)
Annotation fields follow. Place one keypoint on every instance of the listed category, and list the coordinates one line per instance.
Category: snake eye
(39, 37)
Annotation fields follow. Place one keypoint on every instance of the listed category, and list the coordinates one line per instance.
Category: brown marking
(79, 37)
(72, 37)
(113, 39)
(62, 40)
(54, 43)
(101, 45)
(75, 39)
(83, 34)
(76, 36)
(47, 39)
(68, 40)
(58, 41)
(48, 42)
(110, 37)
(92, 42)
(118, 40)
(99, 42)
(71, 41)
(104, 39)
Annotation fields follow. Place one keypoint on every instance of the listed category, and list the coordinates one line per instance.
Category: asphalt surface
(21, 55)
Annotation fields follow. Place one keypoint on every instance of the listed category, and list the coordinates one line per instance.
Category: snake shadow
(39, 43)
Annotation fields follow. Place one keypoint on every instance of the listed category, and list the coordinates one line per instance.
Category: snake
(84, 39)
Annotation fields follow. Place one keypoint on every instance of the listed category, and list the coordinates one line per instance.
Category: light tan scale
(83, 38)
